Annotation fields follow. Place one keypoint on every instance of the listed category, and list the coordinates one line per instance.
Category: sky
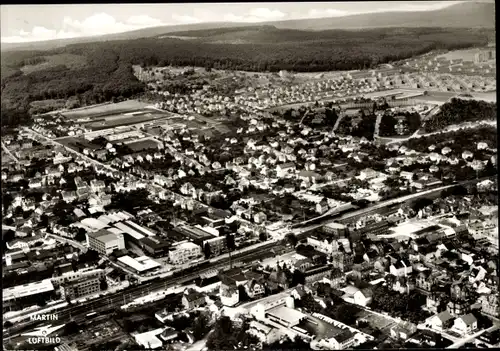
(27, 23)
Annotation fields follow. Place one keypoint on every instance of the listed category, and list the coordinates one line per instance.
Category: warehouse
(139, 264)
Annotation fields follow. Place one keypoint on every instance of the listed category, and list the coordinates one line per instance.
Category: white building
(105, 242)
(183, 251)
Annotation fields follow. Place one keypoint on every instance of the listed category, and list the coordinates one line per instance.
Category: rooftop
(140, 264)
(286, 313)
(24, 290)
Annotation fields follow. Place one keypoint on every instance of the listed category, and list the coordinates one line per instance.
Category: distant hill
(136, 34)
(463, 15)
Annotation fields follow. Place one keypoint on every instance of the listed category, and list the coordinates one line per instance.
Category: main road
(9, 153)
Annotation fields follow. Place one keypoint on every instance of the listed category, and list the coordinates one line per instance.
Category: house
(403, 330)
(299, 292)
(465, 325)
(285, 169)
(264, 332)
(193, 299)
(401, 268)
(489, 304)
(309, 176)
(340, 341)
(363, 297)
(278, 279)
(260, 217)
(254, 288)
(35, 183)
(322, 206)
(425, 282)
(440, 321)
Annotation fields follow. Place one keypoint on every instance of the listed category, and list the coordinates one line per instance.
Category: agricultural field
(466, 55)
(76, 143)
(124, 120)
(106, 109)
(143, 144)
(69, 60)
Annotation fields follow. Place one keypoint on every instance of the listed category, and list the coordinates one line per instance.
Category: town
(225, 209)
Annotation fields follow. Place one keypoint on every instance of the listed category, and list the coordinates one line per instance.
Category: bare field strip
(143, 144)
(120, 107)
(118, 122)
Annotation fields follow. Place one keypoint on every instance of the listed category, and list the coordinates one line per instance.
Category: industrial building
(156, 247)
(195, 234)
(105, 241)
(139, 264)
(338, 230)
(81, 287)
(217, 244)
(183, 252)
(27, 294)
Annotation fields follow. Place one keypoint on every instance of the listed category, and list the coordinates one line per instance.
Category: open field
(466, 55)
(73, 142)
(143, 144)
(103, 109)
(69, 60)
(123, 120)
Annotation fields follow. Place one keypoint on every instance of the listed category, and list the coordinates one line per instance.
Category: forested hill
(461, 15)
(99, 71)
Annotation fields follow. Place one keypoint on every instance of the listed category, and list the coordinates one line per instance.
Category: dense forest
(458, 111)
(108, 73)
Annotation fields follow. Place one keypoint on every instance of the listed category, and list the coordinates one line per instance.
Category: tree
(291, 239)
(297, 278)
(81, 235)
(207, 250)
(103, 284)
(262, 235)
(201, 326)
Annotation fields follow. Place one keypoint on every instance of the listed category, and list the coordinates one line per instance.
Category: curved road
(9, 153)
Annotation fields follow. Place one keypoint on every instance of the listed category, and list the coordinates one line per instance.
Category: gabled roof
(468, 319)
(445, 316)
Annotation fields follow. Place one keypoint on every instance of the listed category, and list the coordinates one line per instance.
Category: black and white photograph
(249, 176)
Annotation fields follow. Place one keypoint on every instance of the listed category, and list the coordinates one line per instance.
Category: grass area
(126, 120)
(69, 60)
(73, 141)
(99, 110)
(143, 144)
(466, 55)
(376, 321)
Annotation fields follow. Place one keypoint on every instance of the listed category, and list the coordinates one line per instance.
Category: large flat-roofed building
(26, 294)
(184, 251)
(81, 274)
(139, 264)
(131, 233)
(338, 230)
(155, 246)
(195, 234)
(286, 316)
(105, 242)
(81, 287)
(377, 228)
(217, 244)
